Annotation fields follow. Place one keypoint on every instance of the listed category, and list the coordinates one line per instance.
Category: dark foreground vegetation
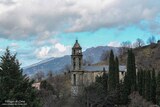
(15, 88)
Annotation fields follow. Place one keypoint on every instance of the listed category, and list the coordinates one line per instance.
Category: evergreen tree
(103, 80)
(14, 85)
(153, 87)
(134, 71)
(158, 89)
(143, 83)
(111, 76)
(148, 86)
(140, 81)
(117, 71)
(129, 72)
(130, 78)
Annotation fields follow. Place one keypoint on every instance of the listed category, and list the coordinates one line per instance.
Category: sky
(40, 29)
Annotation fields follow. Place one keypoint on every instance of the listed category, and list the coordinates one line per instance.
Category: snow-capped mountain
(57, 65)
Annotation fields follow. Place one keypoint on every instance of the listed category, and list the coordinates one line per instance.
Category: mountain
(57, 65)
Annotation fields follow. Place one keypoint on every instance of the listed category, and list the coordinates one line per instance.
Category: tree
(111, 77)
(158, 89)
(124, 47)
(117, 71)
(103, 80)
(143, 83)
(153, 87)
(126, 44)
(151, 40)
(139, 43)
(39, 76)
(140, 81)
(148, 86)
(14, 85)
(130, 77)
(47, 86)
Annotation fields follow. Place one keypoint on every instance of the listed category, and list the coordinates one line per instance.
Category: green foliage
(13, 84)
(103, 80)
(140, 81)
(122, 95)
(117, 71)
(131, 73)
(111, 77)
(158, 89)
(47, 86)
(153, 87)
(96, 94)
(143, 83)
(148, 86)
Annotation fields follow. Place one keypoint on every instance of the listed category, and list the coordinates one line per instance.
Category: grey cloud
(33, 18)
(7, 2)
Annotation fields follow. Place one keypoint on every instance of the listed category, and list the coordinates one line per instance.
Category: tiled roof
(100, 68)
(76, 45)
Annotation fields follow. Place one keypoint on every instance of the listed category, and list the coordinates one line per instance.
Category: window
(79, 63)
(74, 52)
(74, 63)
(74, 79)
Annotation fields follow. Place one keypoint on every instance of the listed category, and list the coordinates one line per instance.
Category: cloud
(60, 47)
(42, 52)
(14, 45)
(56, 50)
(30, 18)
(114, 44)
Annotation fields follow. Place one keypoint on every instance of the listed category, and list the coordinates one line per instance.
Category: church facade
(82, 76)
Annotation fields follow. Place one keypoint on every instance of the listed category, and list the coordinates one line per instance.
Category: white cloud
(114, 44)
(60, 47)
(56, 50)
(22, 18)
(42, 52)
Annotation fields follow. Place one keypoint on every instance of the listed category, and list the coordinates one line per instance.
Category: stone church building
(82, 76)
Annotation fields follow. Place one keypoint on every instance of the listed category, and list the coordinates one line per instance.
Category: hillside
(147, 57)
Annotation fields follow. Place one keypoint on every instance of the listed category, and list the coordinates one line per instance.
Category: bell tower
(76, 57)
(76, 72)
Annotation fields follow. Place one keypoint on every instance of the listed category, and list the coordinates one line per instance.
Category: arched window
(74, 52)
(74, 79)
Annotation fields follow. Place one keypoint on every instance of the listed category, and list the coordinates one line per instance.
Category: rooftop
(101, 68)
(76, 45)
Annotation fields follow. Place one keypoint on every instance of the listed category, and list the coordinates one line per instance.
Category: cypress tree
(158, 89)
(143, 83)
(153, 87)
(134, 71)
(14, 84)
(105, 82)
(111, 77)
(140, 83)
(117, 71)
(148, 86)
(129, 71)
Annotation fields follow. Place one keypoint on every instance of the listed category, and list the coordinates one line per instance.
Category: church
(82, 76)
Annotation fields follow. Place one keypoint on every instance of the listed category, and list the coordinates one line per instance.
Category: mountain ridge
(57, 65)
